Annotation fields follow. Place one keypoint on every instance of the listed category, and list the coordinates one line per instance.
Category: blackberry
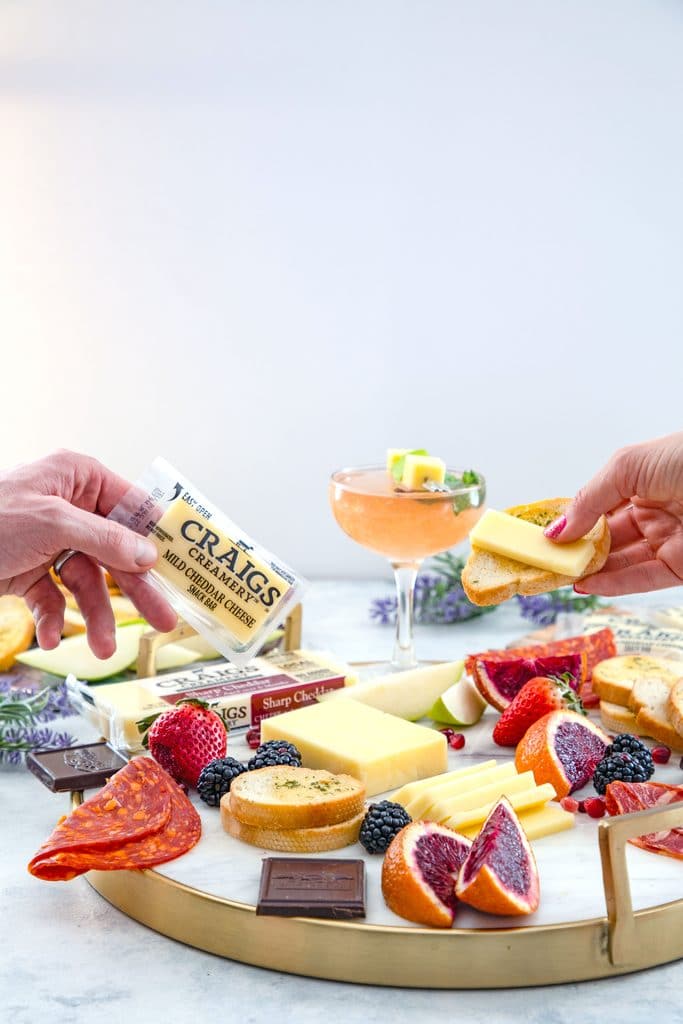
(381, 823)
(621, 766)
(215, 779)
(275, 752)
(624, 743)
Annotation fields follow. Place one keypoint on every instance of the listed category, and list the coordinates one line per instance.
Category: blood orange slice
(500, 874)
(561, 748)
(420, 870)
(499, 681)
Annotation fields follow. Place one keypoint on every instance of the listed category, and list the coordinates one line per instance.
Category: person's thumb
(107, 542)
(605, 492)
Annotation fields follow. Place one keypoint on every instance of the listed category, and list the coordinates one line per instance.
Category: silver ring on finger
(61, 560)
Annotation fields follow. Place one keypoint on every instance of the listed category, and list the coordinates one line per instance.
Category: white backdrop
(266, 239)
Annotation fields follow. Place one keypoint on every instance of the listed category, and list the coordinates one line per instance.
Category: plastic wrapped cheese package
(230, 588)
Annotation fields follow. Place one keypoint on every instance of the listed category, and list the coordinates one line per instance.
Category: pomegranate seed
(569, 804)
(254, 737)
(660, 755)
(595, 807)
(457, 741)
(448, 733)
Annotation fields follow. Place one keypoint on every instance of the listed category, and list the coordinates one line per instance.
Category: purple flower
(543, 609)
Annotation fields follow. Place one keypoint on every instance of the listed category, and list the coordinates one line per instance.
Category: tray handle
(613, 834)
(151, 641)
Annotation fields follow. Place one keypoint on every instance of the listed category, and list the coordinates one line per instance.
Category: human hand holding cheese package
(57, 505)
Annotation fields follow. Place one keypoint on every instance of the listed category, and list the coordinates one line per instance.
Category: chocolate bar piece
(87, 766)
(312, 887)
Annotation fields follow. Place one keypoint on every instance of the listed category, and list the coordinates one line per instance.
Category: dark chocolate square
(313, 887)
(87, 766)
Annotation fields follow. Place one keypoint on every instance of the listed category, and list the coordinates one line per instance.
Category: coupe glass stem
(405, 574)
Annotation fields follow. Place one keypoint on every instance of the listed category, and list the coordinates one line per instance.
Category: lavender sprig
(543, 609)
(439, 596)
(22, 713)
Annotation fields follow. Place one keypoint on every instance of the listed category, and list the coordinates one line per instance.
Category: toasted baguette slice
(649, 701)
(491, 579)
(292, 840)
(616, 718)
(614, 678)
(282, 796)
(674, 706)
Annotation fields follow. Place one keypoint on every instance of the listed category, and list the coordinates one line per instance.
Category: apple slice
(407, 694)
(74, 656)
(460, 704)
(175, 656)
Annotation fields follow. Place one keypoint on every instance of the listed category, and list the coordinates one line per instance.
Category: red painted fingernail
(556, 527)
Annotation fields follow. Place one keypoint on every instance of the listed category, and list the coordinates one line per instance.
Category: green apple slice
(407, 694)
(175, 656)
(461, 704)
(74, 655)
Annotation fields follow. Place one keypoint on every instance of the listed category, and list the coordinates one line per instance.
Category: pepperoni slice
(142, 820)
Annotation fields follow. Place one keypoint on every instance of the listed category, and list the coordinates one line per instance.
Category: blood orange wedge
(500, 874)
(561, 748)
(499, 681)
(419, 872)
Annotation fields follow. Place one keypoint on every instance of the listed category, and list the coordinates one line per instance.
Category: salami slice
(162, 825)
(627, 797)
(597, 646)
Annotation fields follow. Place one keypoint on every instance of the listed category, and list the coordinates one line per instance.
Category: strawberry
(537, 698)
(185, 738)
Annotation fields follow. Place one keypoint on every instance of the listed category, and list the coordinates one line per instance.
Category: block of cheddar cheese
(381, 750)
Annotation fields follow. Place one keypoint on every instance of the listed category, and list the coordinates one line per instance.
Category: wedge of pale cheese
(510, 537)
(346, 737)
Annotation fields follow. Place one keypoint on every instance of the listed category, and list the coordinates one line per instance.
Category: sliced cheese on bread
(292, 840)
(286, 797)
(490, 578)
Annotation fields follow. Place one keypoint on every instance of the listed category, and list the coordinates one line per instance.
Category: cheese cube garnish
(347, 737)
(418, 469)
(393, 455)
(525, 542)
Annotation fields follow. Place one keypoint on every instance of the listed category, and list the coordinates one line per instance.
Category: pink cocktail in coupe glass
(406, 527)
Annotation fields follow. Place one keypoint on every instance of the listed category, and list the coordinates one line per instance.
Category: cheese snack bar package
(233, 591)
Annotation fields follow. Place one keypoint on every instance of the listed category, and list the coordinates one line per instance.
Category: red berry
(660, 755)
(595, 807)
(457, 741)
(590, 700)
(254, 737)
(448, 733)
(185, 738)
(582, 807)
(569, 804)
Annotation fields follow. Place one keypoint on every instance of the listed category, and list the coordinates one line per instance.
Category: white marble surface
(70, 957)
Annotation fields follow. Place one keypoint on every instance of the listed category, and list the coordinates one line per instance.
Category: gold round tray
(621, 942)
